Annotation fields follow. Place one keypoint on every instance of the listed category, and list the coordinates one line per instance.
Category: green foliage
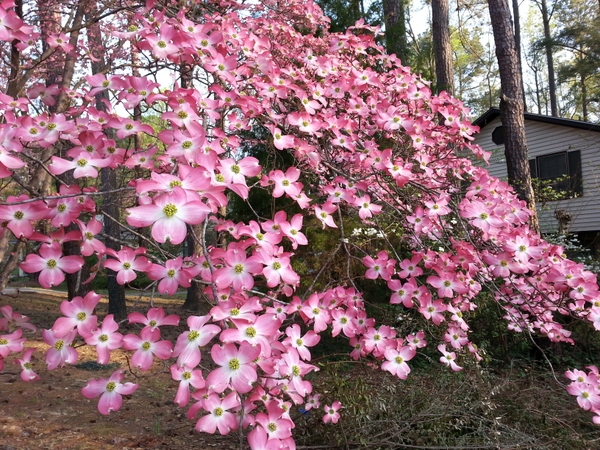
(345, 13)
(577, 37)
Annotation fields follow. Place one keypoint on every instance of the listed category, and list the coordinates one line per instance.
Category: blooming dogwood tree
(365, 140)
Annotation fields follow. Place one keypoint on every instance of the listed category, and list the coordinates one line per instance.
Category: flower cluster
(364, 148)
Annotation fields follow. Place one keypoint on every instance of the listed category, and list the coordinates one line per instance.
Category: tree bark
(394, 17)
(511, 106)
(517, 22)
(441, 46)
(584, 99)
(15, 58)
(116, 292)
(543, 5)
(194, 294)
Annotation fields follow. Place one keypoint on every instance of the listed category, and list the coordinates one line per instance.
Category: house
(563, 154)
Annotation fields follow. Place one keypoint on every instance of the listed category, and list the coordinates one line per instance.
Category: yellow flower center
(234, 364)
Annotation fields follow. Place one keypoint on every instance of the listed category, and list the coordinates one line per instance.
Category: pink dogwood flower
(146, 346)
(126, 263)
(239, 270)
(27, 373)
(155, 318)
(237, 370)
(292, 231)
(78, 314)
(186, 377)
(105, 338)
(11, 343)
(396, 361)
(587, 395)
(85, 165)
(169, 215)
(274, 423)
(380, 267)
(13, 320)
(110, 391)
(60, 351)
(52, 265)
(220, 417)
(258, 439)
(332, 412)
(172, 275)
(90, 244)
(324, 214)
(301, 343)
(187, 348)
(448, 358)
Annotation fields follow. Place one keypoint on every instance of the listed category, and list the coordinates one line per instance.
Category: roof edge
(493, 113)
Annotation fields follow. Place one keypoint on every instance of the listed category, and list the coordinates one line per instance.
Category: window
(561, 171)
(498, 136)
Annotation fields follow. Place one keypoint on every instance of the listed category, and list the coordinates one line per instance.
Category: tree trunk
(394, 17)
(15, 59)
(116, 292)
(517, 21)
(584, 99)
(511, 106)
(549, 57)
(441, 46)
(194, 294)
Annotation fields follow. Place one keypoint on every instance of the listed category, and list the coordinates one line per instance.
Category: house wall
(546, 138)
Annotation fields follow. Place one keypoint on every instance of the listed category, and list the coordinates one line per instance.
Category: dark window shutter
(575, 177)
(533, 168)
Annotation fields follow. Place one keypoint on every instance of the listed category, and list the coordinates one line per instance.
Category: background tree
(394, 17)
(511, 105)
(578, 39)
(440, 26)
(548, 44)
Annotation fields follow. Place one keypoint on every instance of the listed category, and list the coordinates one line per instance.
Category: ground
(51, 413)
(517, 404)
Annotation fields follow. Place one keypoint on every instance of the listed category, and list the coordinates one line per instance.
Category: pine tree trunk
(394, 17)
(511, 105)
(517, 22)
(543, 5)
(444, 72)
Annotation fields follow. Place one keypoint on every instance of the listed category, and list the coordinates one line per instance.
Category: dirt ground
(51, 413)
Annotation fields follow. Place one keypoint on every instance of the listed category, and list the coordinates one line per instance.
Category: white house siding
(546, 138)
